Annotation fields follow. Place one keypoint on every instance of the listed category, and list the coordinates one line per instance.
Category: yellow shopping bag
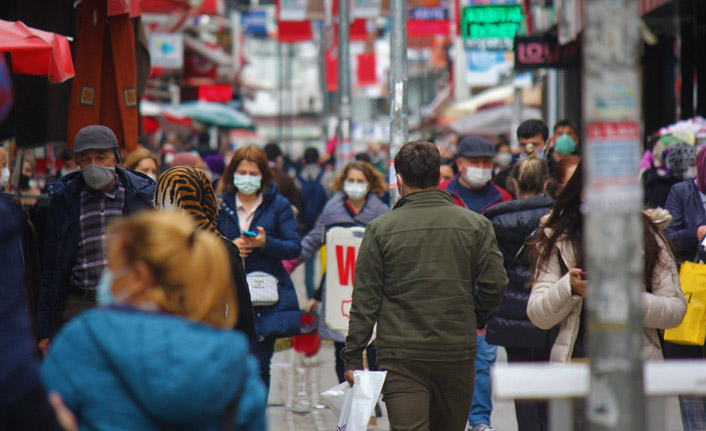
(692, 330)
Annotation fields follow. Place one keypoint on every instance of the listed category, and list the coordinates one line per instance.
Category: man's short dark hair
(418, 164)
(566, 123)
(311, 155)
(272, 151)
(67, 155)
(531, 128)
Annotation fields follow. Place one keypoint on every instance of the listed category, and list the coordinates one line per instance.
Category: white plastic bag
(333, 398)
(358, 402)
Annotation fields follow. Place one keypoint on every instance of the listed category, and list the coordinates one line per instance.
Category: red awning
(36, 52)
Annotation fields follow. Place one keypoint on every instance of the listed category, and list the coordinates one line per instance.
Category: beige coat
(552, 302)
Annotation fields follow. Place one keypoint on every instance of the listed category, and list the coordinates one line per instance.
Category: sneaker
(482, 427)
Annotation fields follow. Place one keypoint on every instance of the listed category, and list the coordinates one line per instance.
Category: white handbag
(263, 288)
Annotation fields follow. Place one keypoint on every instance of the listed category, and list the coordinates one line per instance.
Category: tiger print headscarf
(188, 189)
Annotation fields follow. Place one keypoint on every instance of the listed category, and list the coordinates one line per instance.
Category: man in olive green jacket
(429, 273)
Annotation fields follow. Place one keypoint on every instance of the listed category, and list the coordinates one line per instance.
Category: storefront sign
(342, 246)
(491, 27)
(535, 52)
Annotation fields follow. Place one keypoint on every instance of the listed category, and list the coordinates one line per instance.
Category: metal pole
(460, 63)
(321, 34)
(344, 149)
(613, 224)
(516, 117)
(398, 86)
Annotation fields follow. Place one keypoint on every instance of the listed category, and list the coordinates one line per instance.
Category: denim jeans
(482, 404)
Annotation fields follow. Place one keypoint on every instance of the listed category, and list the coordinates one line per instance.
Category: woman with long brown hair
(560, 286)
(261, 223)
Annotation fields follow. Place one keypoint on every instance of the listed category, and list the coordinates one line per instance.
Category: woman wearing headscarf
(188, 189)
(678, 166)
(687, 204)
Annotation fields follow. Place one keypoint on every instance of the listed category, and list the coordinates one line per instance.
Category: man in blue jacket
(82, 206)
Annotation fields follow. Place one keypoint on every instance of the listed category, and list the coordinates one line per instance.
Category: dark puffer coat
(514, 223)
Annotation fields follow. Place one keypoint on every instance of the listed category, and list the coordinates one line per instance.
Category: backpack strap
(320, 176)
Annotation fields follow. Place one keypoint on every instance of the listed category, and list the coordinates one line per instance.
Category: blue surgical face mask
(247, 184)
(104, 290)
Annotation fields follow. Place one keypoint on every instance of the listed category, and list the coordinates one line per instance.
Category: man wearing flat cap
(474, 186)
(82, 206)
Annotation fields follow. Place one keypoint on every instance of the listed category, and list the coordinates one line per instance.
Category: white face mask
(247, 184)
(690, 173)
(504, 159)
(477, 177)
(355, 191)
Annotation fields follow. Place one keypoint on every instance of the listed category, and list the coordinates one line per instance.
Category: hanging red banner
(292, 31)
(367, 77)
(331, 71)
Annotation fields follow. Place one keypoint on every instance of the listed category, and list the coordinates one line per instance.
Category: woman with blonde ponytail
(159, 354)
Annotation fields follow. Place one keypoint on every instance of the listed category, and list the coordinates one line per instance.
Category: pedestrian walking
(188, 189)
(474, 187)
(561, 283)
(356, 203)
(261, 223)
(24, 403)
(142, 160)
(81, 207)
(687, 205)
(515, 224)
(157, 355)
(429, 274)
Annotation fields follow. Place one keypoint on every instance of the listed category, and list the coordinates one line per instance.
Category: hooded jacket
(62, 235)
(415, 277)
(552, 302)
(122, 368)
(282, 242)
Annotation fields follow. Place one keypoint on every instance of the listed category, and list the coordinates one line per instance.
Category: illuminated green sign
(492, 26)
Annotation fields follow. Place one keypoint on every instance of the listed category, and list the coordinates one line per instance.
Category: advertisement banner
(491, 27)
(167, 50)
(342, 246)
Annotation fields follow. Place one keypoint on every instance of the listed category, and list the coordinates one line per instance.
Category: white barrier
(560, 383)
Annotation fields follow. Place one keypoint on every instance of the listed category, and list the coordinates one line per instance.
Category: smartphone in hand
(250, 234)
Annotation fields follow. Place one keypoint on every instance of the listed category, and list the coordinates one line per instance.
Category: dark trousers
(531, 415)
(427, 396)
(341, 365)
(73, 306)
(263, 351)
(693, 409)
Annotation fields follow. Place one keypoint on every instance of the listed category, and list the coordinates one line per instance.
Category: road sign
(342, 246)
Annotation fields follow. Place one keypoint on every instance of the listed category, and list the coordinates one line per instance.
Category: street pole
(398, 86)
(516, 115)
(613, 222)
(344, 149)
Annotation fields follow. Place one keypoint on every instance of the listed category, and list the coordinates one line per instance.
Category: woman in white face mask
(356, 202)
(261, 223)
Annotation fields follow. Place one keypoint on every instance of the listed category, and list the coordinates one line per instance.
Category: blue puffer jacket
(514, 223)
(120, 368)
(62, 235)
(687, 210)
(275, 215)
(335, 213)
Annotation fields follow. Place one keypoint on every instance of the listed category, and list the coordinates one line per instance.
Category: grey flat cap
(95, 138)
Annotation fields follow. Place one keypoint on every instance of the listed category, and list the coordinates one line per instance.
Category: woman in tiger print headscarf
(188, 189)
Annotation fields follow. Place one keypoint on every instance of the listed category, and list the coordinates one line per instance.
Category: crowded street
(353, 215)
